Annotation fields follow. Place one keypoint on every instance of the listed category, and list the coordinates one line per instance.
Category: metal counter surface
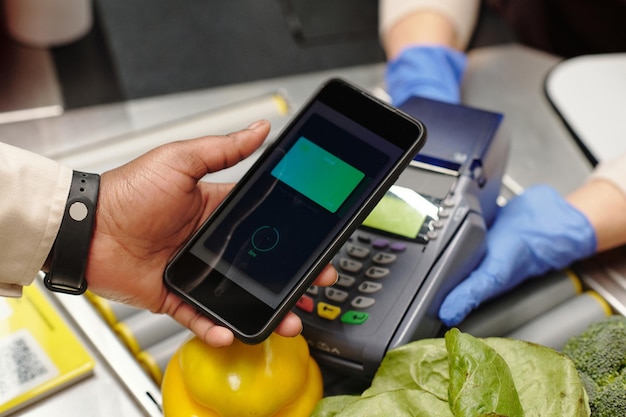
(507, 79)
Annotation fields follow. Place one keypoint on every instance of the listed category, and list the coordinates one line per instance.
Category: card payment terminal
(427, 234)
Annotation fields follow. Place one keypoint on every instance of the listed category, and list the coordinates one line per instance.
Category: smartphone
(265, 244)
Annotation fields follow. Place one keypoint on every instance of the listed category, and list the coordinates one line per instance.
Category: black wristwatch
(71, 247)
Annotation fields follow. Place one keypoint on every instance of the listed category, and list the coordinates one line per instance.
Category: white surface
(590, 94)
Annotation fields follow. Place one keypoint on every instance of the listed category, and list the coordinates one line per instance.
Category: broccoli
(610, 400)
(599, 354)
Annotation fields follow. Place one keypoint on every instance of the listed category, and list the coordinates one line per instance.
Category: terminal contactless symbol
(264, 239)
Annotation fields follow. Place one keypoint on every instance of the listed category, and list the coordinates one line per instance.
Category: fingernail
(256, 124)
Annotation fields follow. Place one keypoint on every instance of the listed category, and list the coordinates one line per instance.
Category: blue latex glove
(433, 72)
(534, 233)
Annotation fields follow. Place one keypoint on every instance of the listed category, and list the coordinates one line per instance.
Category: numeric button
(350, 265)
(382, 258)
(362, 302)
(369, 287)
(333, 294)
(313, 290)
(376, 272)
(345, 281)
(357, 251)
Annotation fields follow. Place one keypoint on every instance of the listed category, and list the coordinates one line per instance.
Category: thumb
(459, 302)
(208, 154)
(487, 281)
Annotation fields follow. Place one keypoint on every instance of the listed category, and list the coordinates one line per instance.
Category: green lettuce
(462, 376)
(480, 380)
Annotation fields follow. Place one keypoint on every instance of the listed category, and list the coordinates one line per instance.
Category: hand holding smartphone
(261, 249)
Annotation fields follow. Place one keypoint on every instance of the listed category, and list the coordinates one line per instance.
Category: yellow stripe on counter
(578, 285)
(281, 103)
(151, 367)
(606, 307)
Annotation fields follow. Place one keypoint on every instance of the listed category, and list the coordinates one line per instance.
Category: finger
(290, 326)
(456, 306)
(327, 277)
(200, 325)
(211, 333)
(218, 336)
(479, 286)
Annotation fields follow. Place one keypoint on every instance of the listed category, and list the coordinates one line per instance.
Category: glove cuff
(433, 72)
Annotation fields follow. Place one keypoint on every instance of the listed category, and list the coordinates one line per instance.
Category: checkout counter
(507, 79)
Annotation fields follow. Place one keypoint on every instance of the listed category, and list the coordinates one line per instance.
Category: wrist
(433, 72)
(421, 28)
(604, 205)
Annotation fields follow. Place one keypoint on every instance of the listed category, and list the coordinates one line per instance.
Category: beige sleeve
(33, 193)
(613, 171)
(462, 13)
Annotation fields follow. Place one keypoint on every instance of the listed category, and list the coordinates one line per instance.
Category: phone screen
(285, 216)
(297, 202)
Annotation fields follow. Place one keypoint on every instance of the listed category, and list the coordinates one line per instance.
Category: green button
(354, 317)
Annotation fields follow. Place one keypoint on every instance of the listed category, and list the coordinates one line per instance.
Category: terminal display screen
(402, 212)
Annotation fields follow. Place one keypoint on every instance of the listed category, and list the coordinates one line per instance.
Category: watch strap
(71, 247)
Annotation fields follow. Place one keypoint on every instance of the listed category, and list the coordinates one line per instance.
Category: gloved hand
(433, 72)
(534, 233)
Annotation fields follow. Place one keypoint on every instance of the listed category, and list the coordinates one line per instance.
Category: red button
(305, 303)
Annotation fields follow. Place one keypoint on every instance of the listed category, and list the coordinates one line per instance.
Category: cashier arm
(537, 231)
(425, 41)
(407, 23)
(603, 200)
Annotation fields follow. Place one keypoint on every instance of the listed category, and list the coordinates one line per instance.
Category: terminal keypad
(364, 263)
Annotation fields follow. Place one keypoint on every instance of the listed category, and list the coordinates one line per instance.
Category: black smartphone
(261, 249)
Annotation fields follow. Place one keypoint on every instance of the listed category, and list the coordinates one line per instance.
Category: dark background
(144, 48)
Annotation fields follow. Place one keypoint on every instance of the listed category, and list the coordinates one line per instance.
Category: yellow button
(328, 311)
